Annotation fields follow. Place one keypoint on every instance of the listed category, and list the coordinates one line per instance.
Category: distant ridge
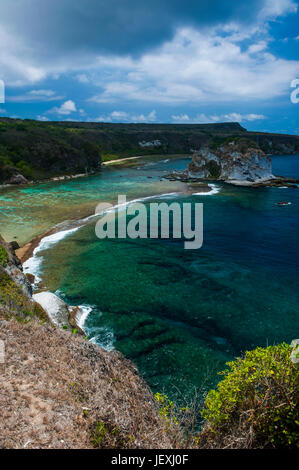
(39, 150)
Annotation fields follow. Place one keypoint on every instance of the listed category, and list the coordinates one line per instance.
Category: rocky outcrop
(231, 162)
(56, 309)
(17, 178)
(13, 267)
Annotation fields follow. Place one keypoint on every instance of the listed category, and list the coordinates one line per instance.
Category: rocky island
(239, 162)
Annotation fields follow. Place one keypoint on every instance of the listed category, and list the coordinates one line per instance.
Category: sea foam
(214, 190)
(33, 264)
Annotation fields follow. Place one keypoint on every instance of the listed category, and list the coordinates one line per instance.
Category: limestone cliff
(235, 161)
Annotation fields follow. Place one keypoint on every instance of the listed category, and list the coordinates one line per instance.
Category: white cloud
(66, 108)
(42, 118)
(16, 64)
(35, 96)
(205, 119)
(243, 117)
(202, 68)
(41, 93)
(275, 8)
(123, 116)
(213, 66)
(82, 78)
(258, 47)
(180, 117)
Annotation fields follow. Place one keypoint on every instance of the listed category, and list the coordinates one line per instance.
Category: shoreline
(81, 175)
(29, 250)
(47, 180)
(25, 251)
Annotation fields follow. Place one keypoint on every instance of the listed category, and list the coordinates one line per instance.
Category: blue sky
(151, 61)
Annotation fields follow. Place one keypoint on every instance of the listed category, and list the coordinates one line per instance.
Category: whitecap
(104, 338)
(82, 315)
(33, 265)
(214, 190)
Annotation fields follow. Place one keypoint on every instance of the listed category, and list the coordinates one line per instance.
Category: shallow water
(179, 314)
(31, 210)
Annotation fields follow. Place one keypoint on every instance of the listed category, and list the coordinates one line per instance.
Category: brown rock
(17, 178)
(30, 277)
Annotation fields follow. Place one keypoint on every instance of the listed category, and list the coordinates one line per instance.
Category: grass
(3, 256)
(15, 303)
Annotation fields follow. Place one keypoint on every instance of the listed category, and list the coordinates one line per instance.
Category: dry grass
(58, 390)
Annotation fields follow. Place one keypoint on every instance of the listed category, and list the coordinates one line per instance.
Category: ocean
(178, 314)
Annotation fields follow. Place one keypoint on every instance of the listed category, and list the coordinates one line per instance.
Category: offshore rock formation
(235, 161)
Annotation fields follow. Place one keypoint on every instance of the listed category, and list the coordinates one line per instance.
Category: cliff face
(59, 390)
(233, 161)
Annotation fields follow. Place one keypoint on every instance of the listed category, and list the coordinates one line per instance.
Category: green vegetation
(214, 169)
(3, 256)
(255, 405)
(257, 401)
(15, 303)
(40, 150)
(107, 157)
(106, 435)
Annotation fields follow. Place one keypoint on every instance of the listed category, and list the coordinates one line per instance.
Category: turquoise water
(181, 314)
(31, 210)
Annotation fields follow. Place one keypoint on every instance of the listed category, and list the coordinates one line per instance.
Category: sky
(170, 61)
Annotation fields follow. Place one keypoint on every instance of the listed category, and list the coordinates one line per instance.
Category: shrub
(106, 156)
(106, 435)
(15, 302)
(3, 256)
(179, 422)
(256, 404)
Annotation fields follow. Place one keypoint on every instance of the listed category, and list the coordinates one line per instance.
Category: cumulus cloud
(180, 118)
(49, 38)
(205, 119)
(127, 26)
(243, 117)
(197, 67)
(42, 118)
(118, 54)
(123, 116)
(66, 108)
